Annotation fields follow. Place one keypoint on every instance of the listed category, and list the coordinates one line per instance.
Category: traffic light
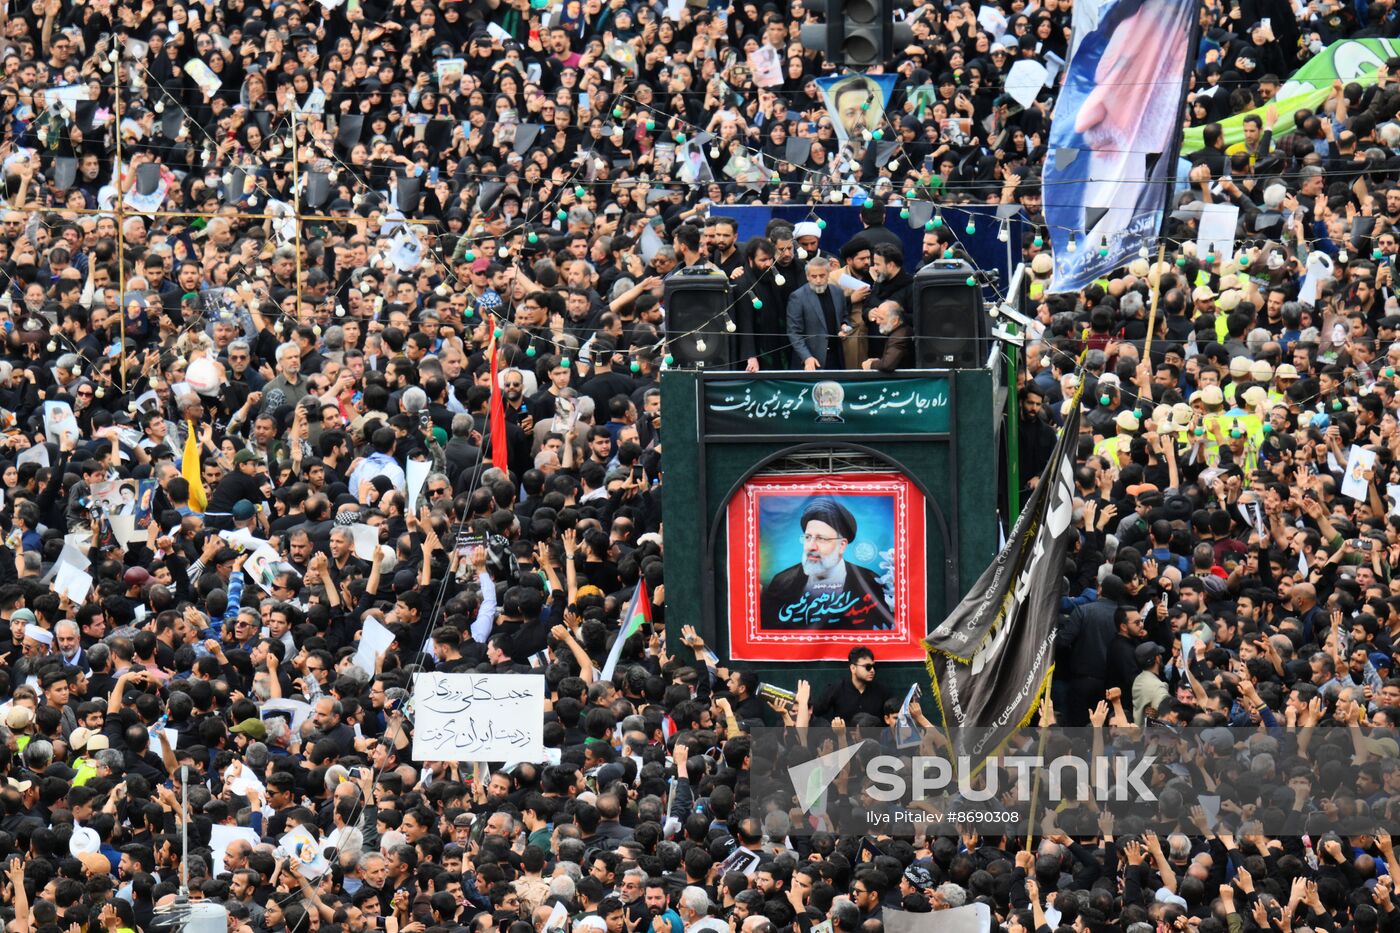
(857, 34)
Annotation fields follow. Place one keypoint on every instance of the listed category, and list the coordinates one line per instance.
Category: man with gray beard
(825, 591)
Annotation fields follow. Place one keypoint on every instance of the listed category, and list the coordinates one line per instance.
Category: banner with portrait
(1113, 137)
(856, 103)
(819, 564)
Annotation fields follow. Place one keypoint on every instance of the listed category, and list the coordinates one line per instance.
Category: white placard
(153, 745)
(366, 539)
(1215, 231)
(123, 528)
(478, 717)
(39, 454)
(243, 539)
(374, 640)
(299, 710)
(221, 837)
(306, 849)
(992, 19)
(73, 583)
(72, 555)
(1319, 268)
(1025, 81)
(1359, 461)
(415, 474)
(58, 421)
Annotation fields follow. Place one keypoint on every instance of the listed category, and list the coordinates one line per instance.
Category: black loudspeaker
(951, 329)
(696, 300)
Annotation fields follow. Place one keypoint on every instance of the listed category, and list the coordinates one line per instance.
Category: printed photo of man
(825, 590)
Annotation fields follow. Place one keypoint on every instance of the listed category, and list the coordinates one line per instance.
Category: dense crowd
(262, 262)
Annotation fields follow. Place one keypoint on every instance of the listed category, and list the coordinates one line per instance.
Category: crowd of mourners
(204, 399)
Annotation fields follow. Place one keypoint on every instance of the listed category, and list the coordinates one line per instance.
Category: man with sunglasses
(858, 693)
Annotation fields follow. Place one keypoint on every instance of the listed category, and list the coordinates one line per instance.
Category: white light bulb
(714, 152)
(778, 279)
(277, 328)
(182, 133)
(806, 186)
(443, 290)
(366, 290)
(99, 392)
(53, 346)
(1004, 234)
(160, 106)
(729, 326)
(801, 253)
(701, 345)
(227, 178)
(1142, 252)
(340, 311)
(503, 252)
(114, 55)
(894, 166)
(1071, 246)
(316, 329)
(333, 176)
(105, 67)
(1342, 255)
(836, 196)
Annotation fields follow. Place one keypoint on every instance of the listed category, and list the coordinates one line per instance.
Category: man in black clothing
(859, 693)
(747, 704)
(892, 283)
(1035, 438)
(1122, 662)
(876, 234)
(605, 383)
(243, 483)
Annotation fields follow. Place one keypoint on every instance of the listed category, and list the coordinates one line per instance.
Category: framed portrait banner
(821, 563)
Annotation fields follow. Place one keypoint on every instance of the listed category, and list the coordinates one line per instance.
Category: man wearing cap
(1150, 693)
(824, 590)
(243, 482)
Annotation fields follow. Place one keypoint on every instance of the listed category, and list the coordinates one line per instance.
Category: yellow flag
(189, 468)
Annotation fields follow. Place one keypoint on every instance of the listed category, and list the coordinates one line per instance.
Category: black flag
(993, 657)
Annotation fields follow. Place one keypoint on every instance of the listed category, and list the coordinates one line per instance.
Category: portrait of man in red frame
(819, 564)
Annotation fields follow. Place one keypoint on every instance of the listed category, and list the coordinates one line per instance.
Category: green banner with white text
(831, 407)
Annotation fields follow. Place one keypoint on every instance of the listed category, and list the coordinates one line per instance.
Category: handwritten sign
(840, 406)
(478, 717)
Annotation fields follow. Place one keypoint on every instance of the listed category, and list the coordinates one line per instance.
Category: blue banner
(1106, 178)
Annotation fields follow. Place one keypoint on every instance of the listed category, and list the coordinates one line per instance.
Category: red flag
(497, 418)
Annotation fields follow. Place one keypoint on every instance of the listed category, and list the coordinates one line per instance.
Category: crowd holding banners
(273, 257)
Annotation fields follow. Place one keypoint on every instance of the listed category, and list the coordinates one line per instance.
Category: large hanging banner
(1348, 59)
(820, 564)
(1112, 137)
(992, 659)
